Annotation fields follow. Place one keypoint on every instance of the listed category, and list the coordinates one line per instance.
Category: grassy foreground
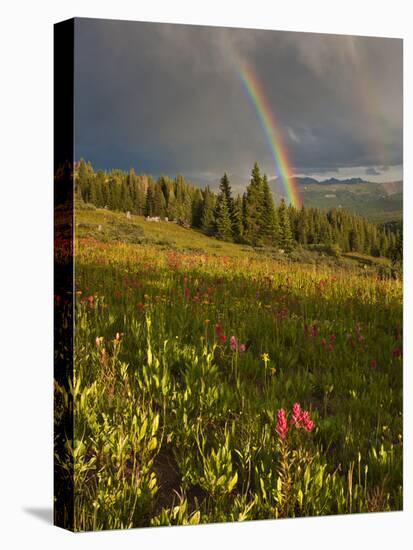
(213, 383)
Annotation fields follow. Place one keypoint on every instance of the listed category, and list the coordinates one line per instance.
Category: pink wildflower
(307, 423)
(242, 348)
(296, 413)
(282, 427)
(233, 343)
(314, 331)
(222, 338)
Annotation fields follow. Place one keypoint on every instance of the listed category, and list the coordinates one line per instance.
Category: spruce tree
(149, 203)
(237, 223)
(223, 225)
(302, 227)
(225, 188)
(208, 216)
(269, 219)
(286, 237)
(159, 202)
(253, 208)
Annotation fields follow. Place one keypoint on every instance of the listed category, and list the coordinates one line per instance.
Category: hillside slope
(108, 226)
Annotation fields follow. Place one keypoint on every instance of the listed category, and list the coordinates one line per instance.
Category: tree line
(252, 218)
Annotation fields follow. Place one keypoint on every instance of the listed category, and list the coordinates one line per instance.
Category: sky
(168, 99)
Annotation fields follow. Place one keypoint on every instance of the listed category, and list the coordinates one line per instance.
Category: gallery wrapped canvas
(228, 274)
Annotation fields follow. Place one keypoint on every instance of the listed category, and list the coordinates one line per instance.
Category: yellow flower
(265, 357)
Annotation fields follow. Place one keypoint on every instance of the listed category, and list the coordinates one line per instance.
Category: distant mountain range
(378, 201)
(329, 181)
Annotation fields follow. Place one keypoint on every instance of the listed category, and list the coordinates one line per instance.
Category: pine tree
(208, 216)
(149, 204)
(269, 219)
(197, 206)
(286, 237)
(253, 208)
(225, 188)
(159, 203)
(353, 240)
(301, 233)
(237, 224)
(223, 226)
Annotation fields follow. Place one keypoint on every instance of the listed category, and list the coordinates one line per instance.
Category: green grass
(108, 226)
(174, 425)
(167, 234)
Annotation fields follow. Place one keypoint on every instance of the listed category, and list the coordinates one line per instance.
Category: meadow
(216, 383)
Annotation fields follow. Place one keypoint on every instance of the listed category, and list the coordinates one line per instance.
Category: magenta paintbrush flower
(282, 427)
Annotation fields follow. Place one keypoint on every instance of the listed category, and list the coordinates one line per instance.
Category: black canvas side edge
(63, 273)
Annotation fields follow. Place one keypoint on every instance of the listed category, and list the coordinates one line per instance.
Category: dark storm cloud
(168, 98)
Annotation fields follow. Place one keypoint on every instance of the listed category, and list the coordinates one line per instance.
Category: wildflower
(314, 331)
(306, 421)
(207, 321)
(282, 427)
(309, 426)
(296, 413)
(242, 348)
(218, 329)
(265, 357)
(373, 364)
(222, 338)
(233, 343)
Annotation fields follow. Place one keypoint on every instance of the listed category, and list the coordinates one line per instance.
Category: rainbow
(266, 118)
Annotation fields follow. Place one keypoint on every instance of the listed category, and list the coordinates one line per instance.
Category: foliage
(253, 219)
(182, 363)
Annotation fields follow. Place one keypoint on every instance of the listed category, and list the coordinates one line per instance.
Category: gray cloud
(168, 98)
(372, 171)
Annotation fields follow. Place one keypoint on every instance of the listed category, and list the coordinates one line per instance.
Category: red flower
(233, 343)
(222, 338)
(218, 329)
(307, 423)
(282, 427)
(296, 413)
